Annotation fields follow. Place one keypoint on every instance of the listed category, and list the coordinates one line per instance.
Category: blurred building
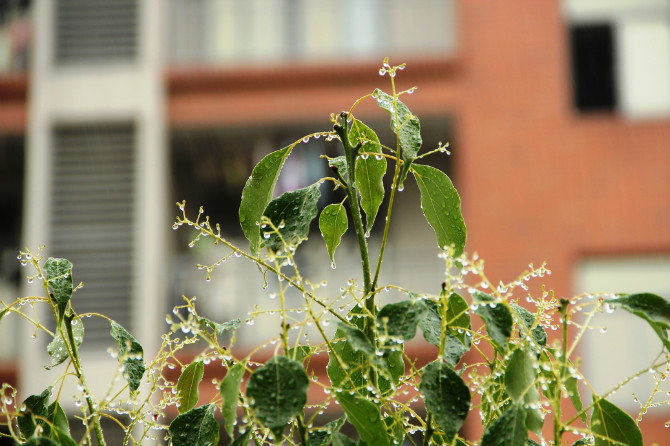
(558, 114)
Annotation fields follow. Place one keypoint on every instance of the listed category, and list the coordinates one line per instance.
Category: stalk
(558, 428)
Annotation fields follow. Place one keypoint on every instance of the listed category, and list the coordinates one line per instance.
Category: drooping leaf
(508, 429)
(446, 396)
(498, 321)
(652, 308)
(330, 435)
(187, 386)
(230, 392)
(356, 364)
(572, 386)
(58, 419)
(441, 206)
(431, 323)
(359, 342)
(457, 342)
(340, 163)
(195, 427)
(57, 349)
(59, 276)
(333, 223)
(296, 209)
(243, 440)
(32, 412)
(131, 356)
(278, 392)
(299, 353)
(405, 125)
(537, 332)
(399, 320)
(366, 418)
(257, 193)
(612, 426)
(233, 324)
(520, 374)
(370, 170)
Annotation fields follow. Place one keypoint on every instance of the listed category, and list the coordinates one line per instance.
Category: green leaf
(257, 193)
(333, 223)
(399, 320)
(356, 364)
(220, 328)
(130, 356)
(572, 386)
(458, 319)
(520, 374)
(3, 312)
(498, 320)
(366, 418)
(431, 323)
(588, 441)
(299, 353)
(612, 426)
(326, 435)
(57, 418)
(369, 170)
(508, 429)
(243, 440)
(407, 128)
(195, 427)
(296, 209)
(41, 441)
(446, 396)
(650, 307)
(230, 392)
(57, 348)
(538, 333)
(356, 338)
(187, 386)
(340, 163)
(442, 207)
(32, 411)
(59, 276)
(278, 392)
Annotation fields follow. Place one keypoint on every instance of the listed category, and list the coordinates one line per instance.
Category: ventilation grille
(91, 220)
(93, 31)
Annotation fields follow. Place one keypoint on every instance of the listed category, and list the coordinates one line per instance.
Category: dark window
(593, 67)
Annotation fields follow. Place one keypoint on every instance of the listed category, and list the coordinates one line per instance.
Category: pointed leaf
(230, 392)
(299, 353)
(324, 436)
(195, 427)
(370, 170)
(57, 349)
(442, 207)
(59, 276)
(57, 418)
(498, 320)
(340, 163)
(278, 392)
(405, 125)
(399, 320)
(220, 328)
(187, 386)
(130, 356)
(538, 333)
(612, 426)
(572, 386)
(333, 223)
(296, 209)
(446, 396)
(508, 429)
(32, 411)
(457, 342)
(650, 307)
(366, 418)
(257, 193)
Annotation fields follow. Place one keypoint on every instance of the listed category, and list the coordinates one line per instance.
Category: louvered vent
(91, 220)
(92, 31)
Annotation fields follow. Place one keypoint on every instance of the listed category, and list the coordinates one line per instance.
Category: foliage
(514, 385)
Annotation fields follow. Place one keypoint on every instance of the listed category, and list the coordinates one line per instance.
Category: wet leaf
(369, 170)
(41, 441)
(257, 193)
(366, 418)
(220, 328)
(32, 413)
(520, 374)
(59, 276)
(230, 392)
(278, 392)
(299, 353)
(612, 426)
(333, 223)
(508, 429)
(195, 427)
(399, 320)
(330, 435)
(652, 308)
(57, 349)
(446, 396)
(497, 318)
(244, 439)
(458, 318)
(537, 332)
(405, 125)
(441, 206)
(187, 386)
(296, 209)
(131, 356)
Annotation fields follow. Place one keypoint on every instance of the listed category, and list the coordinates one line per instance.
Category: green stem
(302, 430)
(429, 429)
(82, 380)
(558, 428)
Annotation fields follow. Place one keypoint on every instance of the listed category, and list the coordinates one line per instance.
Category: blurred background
(557, 112)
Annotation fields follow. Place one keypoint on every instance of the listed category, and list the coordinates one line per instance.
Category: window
(593, 68)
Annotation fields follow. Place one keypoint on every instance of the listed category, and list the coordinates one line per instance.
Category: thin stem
(558, 427)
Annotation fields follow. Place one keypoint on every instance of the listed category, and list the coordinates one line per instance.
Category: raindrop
(401, 188)
(305, 139)
(379, 157)
(382, 71)
(364, 156)
(332, 265)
